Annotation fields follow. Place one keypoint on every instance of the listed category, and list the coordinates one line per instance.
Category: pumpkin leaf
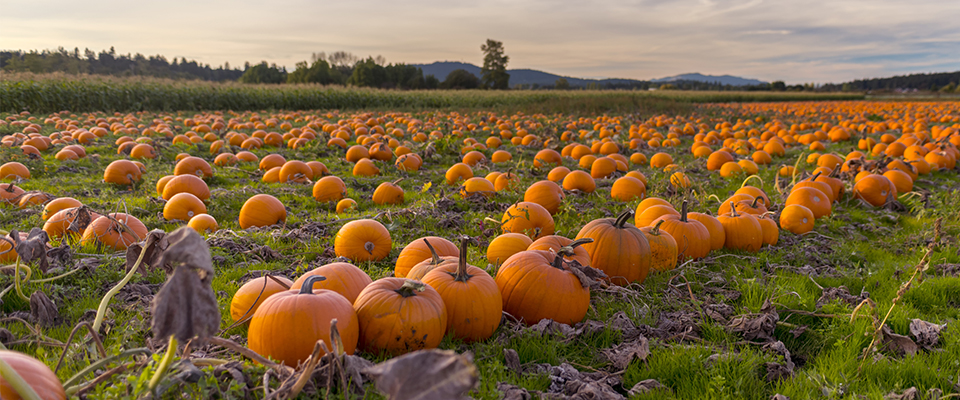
(778, 371)
(646, 386)
(426, 374)
(621, 355)
(927, 334)
(758, 326)
(43, 310)
(33, 248)
(154, 252)
(898, 344)
(186, 305)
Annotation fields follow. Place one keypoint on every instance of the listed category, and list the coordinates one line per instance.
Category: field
(861, 305)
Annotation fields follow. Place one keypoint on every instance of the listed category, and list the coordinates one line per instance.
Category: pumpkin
(287, 325)
(388, 193)
(874, 189)
(253, 293)
(470, 295)
(356, 153)
(117, 231)
(363, 240)
(122, 172)
(653, 213)
(579, 180)
(342, 277)
(271, 161)
(365, 167)
(663, 248)
(71, 220)
(345, 204)
(143, 150)
(410, 162)
(183, 206)
(679, 180)
(420, 250)
(185, 184)
(458, 172)
(901, 180)
(545, 157)
(603, 167)
(477, 186)
(557, 174)
(617, 248)
(554, 243)
(14, 170)
(422, 268)
(545, 193)
(9, 193)
(819, 185)
(295, 171)
(717, 159)
(203, 223)
(55, 205)
(714, 228)
(35, 373)
(812, 199)
(537, 285)
(33, 198)
(262, 210)
(506, 245)
(742, 231)
(650, 202)
(505, 181)
(329, 188)
(754, 192)
(693, 239)
(318, 169)
(272, 176)
(400, 315)
(527, 218)
(193, 166)
(628, 188)
(771, 233)
(246, 156)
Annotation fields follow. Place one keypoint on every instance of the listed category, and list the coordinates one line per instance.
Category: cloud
(796, 41)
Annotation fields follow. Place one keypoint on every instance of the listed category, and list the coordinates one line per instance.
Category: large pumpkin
(400, 315)
(538, 284)
(617, 248)
(742, 230)
(35, 373)
(287, 325)
(116, 231)
(418, 251)
(545, 193)
(262, 210)
(874, 189)
(363, 240)
(471, 297)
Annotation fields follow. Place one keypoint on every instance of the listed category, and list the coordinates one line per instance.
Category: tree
(494, 74)
(319, 72)
(368, 73)
(778, 86)
(460, 79)
(430, 82)
(561, 84)
(261, 73)
(949, 88)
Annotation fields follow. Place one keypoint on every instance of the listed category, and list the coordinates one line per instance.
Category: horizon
(812, 42)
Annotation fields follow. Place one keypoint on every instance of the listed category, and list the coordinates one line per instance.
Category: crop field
(578, 245)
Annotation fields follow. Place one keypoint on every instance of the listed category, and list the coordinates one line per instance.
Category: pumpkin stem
(433, 253)
(369, 246)
(683, 212)
(622, 219)
(410, 288)
(9, 188)
(655, 231)
(568, 251)
(754, 176)
(754, 204)
(398, 181)
(461, 275)
(307, 287)
(335, 338)
(815, 176)
(733, 210)
(836, 169)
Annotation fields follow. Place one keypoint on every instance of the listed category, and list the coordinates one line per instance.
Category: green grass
(877, 258)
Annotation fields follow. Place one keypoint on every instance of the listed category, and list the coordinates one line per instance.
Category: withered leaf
(757, 326)
(778, 371)
(621, 355)
(62, 255)
(646, 386)
(156, 243)
(512, 360)
(6, 336)
(33, 248)
(926, 333)
(186, 305)
(42, 309)
(909, 394)
(897, 344)
(425, 375)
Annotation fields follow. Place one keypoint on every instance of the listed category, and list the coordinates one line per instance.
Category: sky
(800, 41)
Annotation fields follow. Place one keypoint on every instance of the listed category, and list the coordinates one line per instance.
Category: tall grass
(81, 93)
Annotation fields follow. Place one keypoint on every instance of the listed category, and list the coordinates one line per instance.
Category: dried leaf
(590, 277)
(426, 374)
(61, 256)
(909, 394)
(512, 360)
(778, 371)
(840, 293)
(33, 248)
(186, 305)
(621, 355)
(719, 312)
(42, 309)
(646, 386)
(757, 326)
(779, 396)
(898, 344)
(156, 242)
(926, 333)
(6, 336)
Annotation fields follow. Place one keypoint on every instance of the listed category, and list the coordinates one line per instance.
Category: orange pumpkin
(122, 172)
(117, 231)
(506, 245)
(183, 206)
(537, 285)
(875, 189)
(193, 166)
(617, 248)
(545, 193)
(343, 278)
(329, 188)
(363, 240)
(693, 239)
(419, 250)
(742, 231)
(253, 293)
(388, 193)
(527, 218)
(35, 373)
(399, 315)
(203, 223)
(471, 297)
(663, 248)
(628, 188)
(262, 210)
(185, 184)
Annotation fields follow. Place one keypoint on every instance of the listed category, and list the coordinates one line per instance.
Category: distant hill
(722, 79)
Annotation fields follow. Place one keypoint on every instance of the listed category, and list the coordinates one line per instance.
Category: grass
(876, 256)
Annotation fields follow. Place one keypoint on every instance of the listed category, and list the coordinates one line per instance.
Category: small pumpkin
(55, 205)
(797, 219)
(477, 186)
(538, 284)
(693, 239)
(116, 231)
(122, 172)
(506, 245)
(193, 166)
(771, 233)
(295, 171)
(420, 250)
(663, 248)
(185, 184)
(628, 188)
(714, 228)
(471, 297)
(262, 210)
(811, 198)
(329, 188)
(388, 193)
(203, 223)
(287, 325)
(253, 293)
(874, 189)
(545, 193)
(742, 230)
(342, 277)
(345, 205)
(271, 161)
(363, 240)
(400, 315)
(10, 193)
(527, 218)
(14, 170)
(458, 172)
(579, 180)
(554, 243)
(183, 206)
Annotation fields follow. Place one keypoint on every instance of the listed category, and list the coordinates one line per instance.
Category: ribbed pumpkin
(122, 172)
(116, 231)
(579, 180)
(554, 243)
(617, 248)
(423, 267)
(388, 193)
(253, 293)
(874, 189)
(342, 277)
(693, 239)
(742, 230)
(797, 219)
(537, 284)
(714, 228)
(812, 199)
(262, 210)
(418, 251)
(653, 213)
(186, 184)
(471, 297)
(771, 233)
(663, 248)
(527, 218)
(400, 315)
(35, 373)
(287, 325)
(628, 188)
(363, 240)
(183, 206)
(545, 193)
(506, 245)
(72, 221)
(193, 166)
(329, 188)
(55, 205)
